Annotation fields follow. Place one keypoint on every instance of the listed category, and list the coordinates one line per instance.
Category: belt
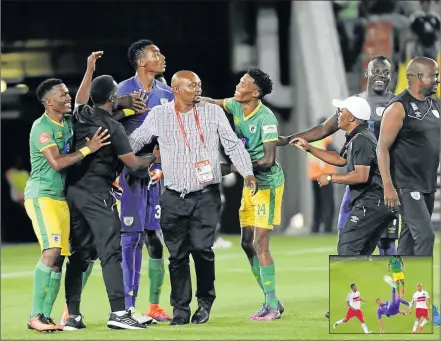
(207, 189)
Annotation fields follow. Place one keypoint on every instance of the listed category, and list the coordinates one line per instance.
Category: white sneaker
(141, 318)
(389, 281)
(221, 243)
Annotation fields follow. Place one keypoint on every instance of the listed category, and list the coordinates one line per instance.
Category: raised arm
(391, 124)
(82, 96)
(45, 142)
(145, 132)
(329, 127)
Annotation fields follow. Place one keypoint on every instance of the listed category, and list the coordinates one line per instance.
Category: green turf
(301, 283)
(368, 276)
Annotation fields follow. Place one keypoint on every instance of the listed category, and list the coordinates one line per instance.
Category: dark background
(192, 35)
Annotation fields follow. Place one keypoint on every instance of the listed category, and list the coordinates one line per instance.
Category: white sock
(363, 325)
(415, 326)
(120, 313)
(423, 323)
(339, 322)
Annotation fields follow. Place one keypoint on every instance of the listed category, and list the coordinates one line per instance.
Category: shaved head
(420, 65)
(422, 75)
(187, 87)
(183, 76)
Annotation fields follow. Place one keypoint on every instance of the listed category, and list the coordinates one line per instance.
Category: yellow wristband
(85, 151)
(128, 112)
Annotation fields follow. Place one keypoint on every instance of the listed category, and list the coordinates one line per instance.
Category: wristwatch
(329, 178)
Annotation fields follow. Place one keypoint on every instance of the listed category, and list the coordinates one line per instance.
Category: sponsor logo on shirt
(270, 129)
(44, 138)
(163, 100)
(59, 134)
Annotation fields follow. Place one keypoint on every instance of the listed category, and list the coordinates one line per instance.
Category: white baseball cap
(357, 106)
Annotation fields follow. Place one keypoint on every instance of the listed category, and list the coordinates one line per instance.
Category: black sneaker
(126, 321)
(74, 323)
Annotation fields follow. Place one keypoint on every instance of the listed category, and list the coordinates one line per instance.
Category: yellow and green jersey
(44, 181)
(395, 264)
(258, 127)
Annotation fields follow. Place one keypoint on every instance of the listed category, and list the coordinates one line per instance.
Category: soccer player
(392, 307)
(256, 125)
(421, 299)
(354, 309)
(140, 209)
(378, 96)
(45, 203)
(396, 264)
(408, 156)
(369, 218)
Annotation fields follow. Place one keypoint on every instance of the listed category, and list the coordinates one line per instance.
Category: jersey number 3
(157, 212)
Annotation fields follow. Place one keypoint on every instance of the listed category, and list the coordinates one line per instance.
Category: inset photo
(380, 295)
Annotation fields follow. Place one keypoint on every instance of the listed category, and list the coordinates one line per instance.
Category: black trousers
(367, 222)
(95, 227)
(417, 236)
(188, 225)
(324, 207)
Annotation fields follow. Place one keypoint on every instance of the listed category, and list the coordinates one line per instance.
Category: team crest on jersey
(128, 221)
(415, 195)
(59, 134)
(379, 111)
(164, 100)
(414, 106)
(436, 113)
(56, 237)
(252, 128)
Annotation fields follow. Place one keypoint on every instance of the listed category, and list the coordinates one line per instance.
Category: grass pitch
(302, 279)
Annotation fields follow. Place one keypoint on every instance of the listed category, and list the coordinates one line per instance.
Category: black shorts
(367, 222)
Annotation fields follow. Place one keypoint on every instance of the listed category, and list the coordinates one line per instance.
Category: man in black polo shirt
(94, 216)
(408, 156)
(369, 217)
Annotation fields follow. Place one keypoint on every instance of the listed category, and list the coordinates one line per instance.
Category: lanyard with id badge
(204, 171)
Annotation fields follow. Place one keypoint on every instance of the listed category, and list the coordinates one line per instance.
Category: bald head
(187, 87)
(182, 77)
(420, 65)
(422, 75)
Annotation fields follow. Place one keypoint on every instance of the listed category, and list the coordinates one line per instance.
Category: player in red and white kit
(354, 303)
(422, 299)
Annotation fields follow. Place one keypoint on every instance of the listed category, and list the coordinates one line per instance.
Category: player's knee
(154, 245)
(260, 243)
(247, 246)
(49, 256)
(58, 264)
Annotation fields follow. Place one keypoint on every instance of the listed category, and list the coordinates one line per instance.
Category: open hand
(91, 60)
(98, 140)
